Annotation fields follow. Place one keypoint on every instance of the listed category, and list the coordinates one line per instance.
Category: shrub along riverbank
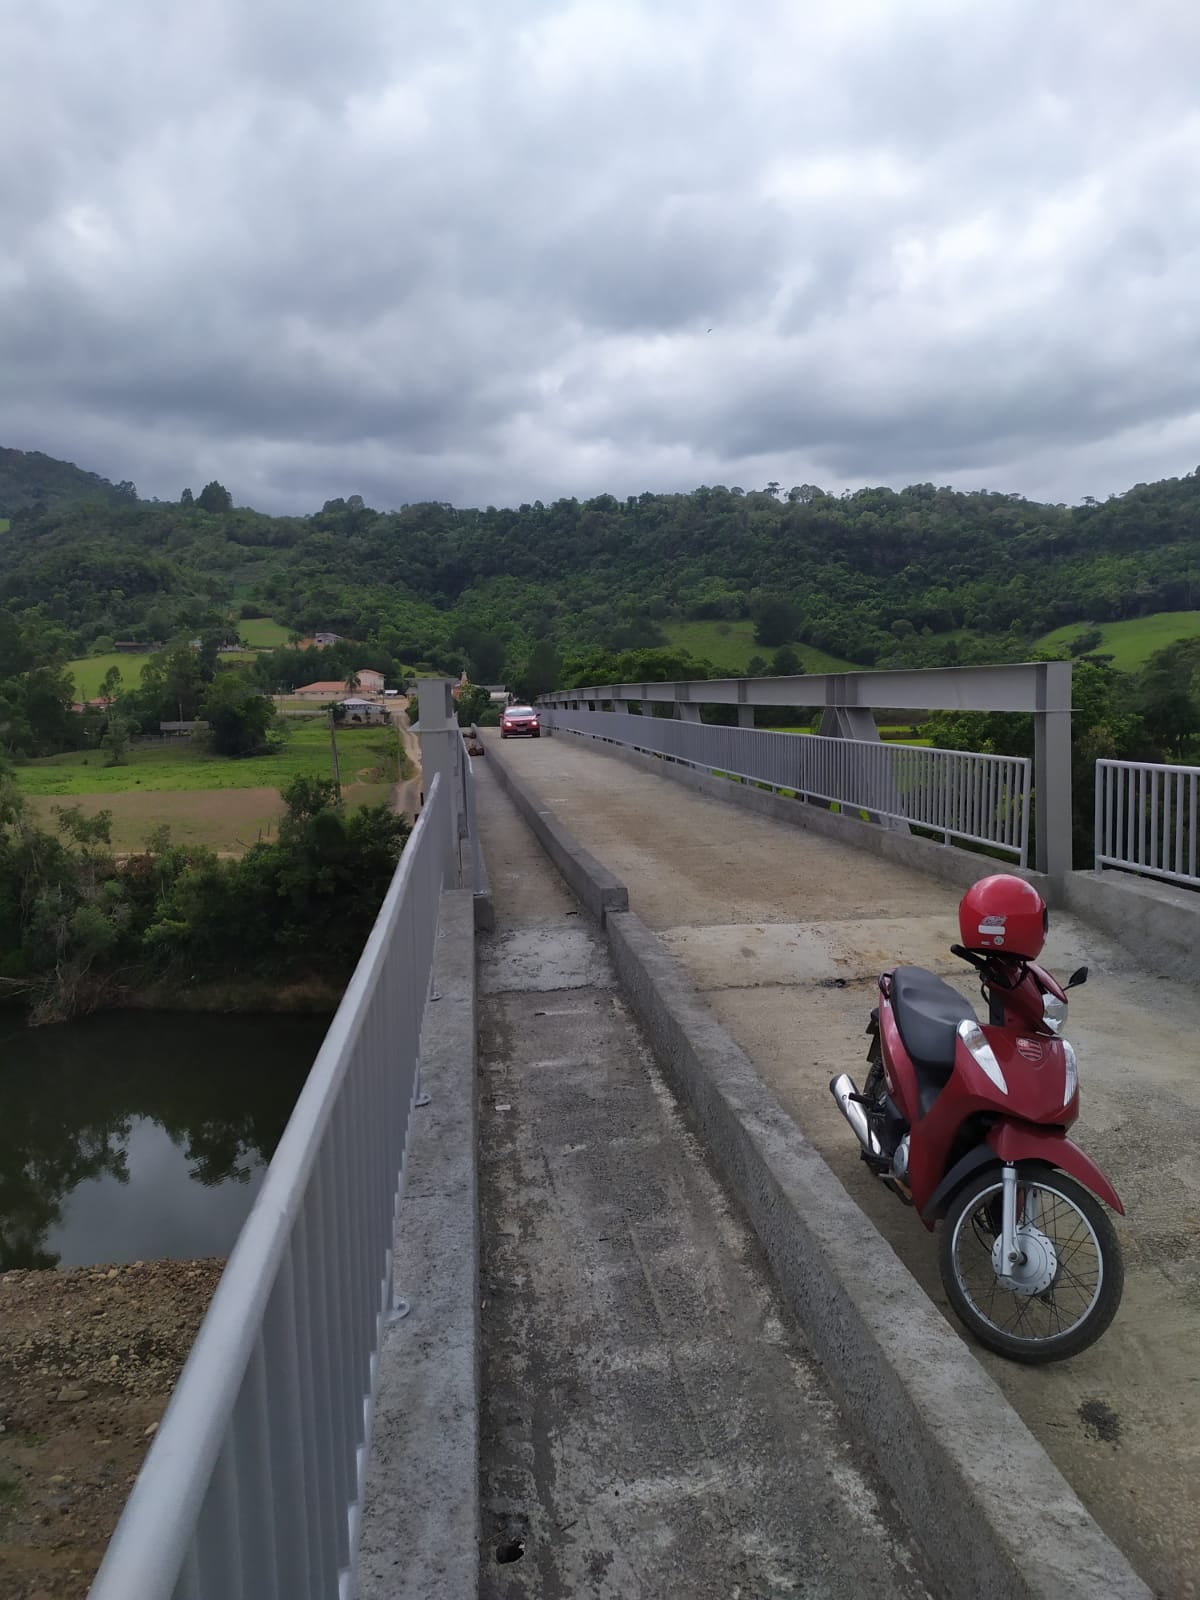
(80, 929)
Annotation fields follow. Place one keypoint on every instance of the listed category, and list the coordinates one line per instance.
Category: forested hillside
(876, 577)
(29, 478)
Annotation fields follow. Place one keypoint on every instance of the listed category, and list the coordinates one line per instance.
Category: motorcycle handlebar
(977, 961)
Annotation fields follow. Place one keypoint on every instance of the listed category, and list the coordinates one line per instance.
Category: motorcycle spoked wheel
(1069, 1287)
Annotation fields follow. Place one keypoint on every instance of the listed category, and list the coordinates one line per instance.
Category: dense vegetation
(585, 591)
(77, 925)
(877, 577)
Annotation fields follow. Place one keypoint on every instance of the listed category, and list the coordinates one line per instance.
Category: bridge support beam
(1052, 770)
(442, 751)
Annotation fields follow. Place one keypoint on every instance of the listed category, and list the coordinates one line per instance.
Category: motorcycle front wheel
(1066, 1289)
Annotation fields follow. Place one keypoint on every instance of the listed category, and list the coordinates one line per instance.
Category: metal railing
(1146, 817)
(252, 1489)
(976, 799)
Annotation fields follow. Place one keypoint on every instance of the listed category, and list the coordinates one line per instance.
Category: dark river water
(137, 1135)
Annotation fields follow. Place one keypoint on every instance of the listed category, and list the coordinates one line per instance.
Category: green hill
(29, 478)
(730, 646)
(1131, 643)
(922, 576)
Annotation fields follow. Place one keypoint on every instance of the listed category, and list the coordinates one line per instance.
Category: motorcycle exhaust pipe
(843, 1090)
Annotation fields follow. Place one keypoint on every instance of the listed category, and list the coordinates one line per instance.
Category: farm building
(328, 688)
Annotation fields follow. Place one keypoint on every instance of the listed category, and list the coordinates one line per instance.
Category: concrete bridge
(664, 1336)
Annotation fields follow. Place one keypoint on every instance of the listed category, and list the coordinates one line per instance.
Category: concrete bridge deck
(783, 932)
(653, 1422)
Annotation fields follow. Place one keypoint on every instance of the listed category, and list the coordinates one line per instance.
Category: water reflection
(137, 1134)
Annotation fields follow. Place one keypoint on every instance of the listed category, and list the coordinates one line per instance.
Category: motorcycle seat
(928, 1013)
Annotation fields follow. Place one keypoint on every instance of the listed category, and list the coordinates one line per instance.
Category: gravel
(88, 1359)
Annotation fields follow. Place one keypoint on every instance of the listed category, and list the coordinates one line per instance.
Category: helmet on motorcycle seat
(1004, 914)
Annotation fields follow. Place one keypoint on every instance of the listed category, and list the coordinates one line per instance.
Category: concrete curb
(593, 885)
(943, 861)
(421, 1518)
(994, 1515)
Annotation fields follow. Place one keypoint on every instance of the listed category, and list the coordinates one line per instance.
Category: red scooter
(968, 1124)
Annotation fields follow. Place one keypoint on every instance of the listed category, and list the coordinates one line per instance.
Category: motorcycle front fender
(1011, 1141)
(1014, 1141)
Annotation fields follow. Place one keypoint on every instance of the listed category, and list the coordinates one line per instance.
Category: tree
(775, 622)
(486, 654)
(187, 498)
(238, 716)
(215, 497)
(542, 671)
(110, 687)
(785, 663)
(115, 741)
(173, 685)
(473, 703)
(1169, 696)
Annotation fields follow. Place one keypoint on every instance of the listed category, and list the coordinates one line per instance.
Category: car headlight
(972, 1036)
(1072, 1083)
(1054, 1012)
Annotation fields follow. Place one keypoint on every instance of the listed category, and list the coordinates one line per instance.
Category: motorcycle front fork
(1014, 1211)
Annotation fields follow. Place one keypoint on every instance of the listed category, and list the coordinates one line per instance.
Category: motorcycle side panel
(898, 1071)
(1014, 1141)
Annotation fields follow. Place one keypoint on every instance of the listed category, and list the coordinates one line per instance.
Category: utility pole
(337, 776)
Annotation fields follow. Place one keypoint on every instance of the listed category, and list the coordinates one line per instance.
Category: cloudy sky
(496, 250)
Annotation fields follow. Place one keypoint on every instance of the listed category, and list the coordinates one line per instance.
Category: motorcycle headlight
(972, 1036)
(1072, 1076)
(1054, 1012)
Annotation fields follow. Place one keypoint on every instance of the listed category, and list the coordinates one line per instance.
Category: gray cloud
(475, 252)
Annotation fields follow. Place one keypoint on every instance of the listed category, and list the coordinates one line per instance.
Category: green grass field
(730, 645)
(366, 755)
(260, 633)
(228, 820)
(1132, 643)
(88, 672)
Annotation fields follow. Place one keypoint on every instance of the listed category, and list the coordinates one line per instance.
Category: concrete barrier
(1157, 923)
(421, 1523)
(593, 885)
(994, 1515)
(947, 862)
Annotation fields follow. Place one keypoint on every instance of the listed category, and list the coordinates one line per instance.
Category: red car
(520, 719)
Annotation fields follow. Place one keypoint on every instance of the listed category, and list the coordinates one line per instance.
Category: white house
(370, 680)
(359, 710)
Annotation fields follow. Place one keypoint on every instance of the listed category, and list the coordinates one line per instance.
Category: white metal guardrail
(252, 1489)
(977, 799)
(1146, 816)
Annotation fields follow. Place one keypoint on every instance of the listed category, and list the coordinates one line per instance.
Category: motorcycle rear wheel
(1070, 1232)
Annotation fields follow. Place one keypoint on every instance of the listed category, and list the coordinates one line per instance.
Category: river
(137, 1135)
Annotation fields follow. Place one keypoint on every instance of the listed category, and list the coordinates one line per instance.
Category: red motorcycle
(968, 1124)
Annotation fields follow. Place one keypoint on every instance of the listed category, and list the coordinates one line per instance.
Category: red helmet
(1004, 914)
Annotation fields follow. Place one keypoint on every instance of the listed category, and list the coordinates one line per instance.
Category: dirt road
(407, 797)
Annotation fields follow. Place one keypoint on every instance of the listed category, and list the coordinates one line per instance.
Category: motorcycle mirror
(1077, 978)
